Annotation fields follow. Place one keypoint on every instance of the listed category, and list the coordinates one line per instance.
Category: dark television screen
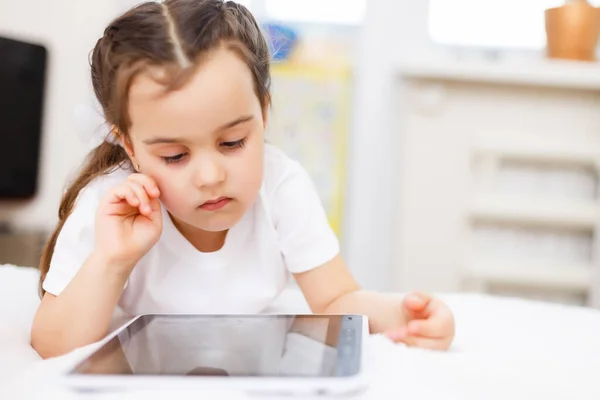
(22, 81)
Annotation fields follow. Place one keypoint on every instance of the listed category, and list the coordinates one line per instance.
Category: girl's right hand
(128, 222)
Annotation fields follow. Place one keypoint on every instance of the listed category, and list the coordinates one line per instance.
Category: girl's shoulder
(293, 204)
(279, 168)
(94, 191)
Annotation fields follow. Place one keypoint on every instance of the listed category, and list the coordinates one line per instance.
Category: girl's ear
(265, 114)
(128, 146)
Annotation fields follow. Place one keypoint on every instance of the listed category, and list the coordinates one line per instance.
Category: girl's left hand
(429, 323)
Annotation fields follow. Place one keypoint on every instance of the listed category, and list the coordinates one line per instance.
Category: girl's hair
(174, 35)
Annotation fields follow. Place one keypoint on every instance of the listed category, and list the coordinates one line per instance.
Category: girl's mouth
(216, 204)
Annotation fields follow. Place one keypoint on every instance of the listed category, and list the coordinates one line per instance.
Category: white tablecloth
(504, 349)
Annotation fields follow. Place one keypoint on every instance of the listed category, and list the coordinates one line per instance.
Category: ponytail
(100, 161)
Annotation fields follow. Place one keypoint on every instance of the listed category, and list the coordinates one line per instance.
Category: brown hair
(172, 34)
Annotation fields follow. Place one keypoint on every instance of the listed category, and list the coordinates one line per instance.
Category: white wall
(391, 28)
(69, 29)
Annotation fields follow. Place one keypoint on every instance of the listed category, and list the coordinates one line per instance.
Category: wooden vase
(572, 31)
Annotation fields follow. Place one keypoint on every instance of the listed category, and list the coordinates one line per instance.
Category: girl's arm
(82, 313)
(331, 289)
(127, 224)
(417, 319)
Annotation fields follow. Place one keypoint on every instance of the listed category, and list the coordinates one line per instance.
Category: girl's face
(203, 143)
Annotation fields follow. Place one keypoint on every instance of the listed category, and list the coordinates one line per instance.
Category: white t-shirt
(285, 231)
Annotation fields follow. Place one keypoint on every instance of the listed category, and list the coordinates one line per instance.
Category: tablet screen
(222, 346)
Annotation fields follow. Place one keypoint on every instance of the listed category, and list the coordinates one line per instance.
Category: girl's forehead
(220, 89)
(219, 71)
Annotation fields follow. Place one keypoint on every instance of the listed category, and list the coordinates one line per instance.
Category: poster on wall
(310, 121)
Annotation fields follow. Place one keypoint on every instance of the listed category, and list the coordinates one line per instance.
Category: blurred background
(455, 143)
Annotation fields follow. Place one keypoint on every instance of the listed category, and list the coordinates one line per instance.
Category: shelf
(535, 212)
(538, 73)
(527, 148)
(516, 273)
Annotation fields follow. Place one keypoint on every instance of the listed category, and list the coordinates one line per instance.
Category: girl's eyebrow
(163, 140)
(228, 125)
(235, 122)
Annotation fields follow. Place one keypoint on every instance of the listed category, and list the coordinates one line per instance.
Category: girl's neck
(203, 241)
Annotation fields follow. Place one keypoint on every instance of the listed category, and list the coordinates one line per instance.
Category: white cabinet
(499, 179)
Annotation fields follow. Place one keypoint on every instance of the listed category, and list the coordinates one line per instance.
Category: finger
(416, 304)
(123, 192)
(156, 214)
(426, 343)
(397, 335)
(417, 300)
(434, 327)
(147, 183)
(154, 204)
(142, 196)
(121, 200)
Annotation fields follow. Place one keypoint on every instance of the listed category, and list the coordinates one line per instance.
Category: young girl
(184, 208)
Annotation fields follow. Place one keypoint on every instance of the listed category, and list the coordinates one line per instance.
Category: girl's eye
(238, 144)
(173, 159)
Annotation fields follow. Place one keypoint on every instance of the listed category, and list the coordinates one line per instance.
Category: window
(490, 23)
(325, 11)
(346, 12)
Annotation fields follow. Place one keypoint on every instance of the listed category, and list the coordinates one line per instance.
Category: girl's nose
(208, 172)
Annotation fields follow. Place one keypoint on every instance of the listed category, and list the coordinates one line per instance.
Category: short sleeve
(305, 237)
(73, 245)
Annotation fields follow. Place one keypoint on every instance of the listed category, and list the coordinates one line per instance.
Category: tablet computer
(261, 354)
